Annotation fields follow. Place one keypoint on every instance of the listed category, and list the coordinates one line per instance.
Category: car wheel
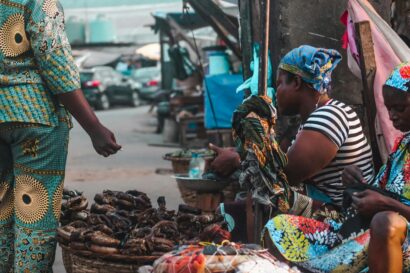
(103, 103)
(135, 101)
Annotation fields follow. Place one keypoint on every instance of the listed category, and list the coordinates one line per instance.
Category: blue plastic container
(221, 90)
(218, 63)
(218, 60)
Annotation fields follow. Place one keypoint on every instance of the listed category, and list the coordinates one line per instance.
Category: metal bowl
(199, 184)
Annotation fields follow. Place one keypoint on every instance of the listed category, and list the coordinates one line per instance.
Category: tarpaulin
(389, 51)
(222, 97)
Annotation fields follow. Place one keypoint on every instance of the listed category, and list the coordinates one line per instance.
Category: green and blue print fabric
(35, 61)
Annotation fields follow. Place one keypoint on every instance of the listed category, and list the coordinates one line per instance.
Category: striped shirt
(342, 126)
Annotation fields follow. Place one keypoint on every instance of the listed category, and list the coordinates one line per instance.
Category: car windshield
(146, 72)
(86, 76)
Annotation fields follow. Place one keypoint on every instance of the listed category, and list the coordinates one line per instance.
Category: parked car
(104, 87)
(150, 79)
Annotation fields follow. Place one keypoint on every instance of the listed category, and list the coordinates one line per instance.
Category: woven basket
(66, 259)
(180, 165)
(87, 262)
(188, 196)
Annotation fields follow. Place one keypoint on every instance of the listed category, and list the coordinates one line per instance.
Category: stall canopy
(224, 23)
(188, 21)
(150, 51)
(178, 26)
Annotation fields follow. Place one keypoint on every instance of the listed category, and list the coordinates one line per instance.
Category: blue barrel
(102, 30)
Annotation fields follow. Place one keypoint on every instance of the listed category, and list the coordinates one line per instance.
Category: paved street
(132, 168)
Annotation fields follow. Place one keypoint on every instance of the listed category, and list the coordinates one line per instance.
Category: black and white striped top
(340, 123)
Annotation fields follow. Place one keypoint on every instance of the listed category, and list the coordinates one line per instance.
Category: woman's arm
(60, 75)
(369, 202)
(103, 139)
(310, 153)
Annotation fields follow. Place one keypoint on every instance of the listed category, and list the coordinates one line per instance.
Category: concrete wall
(316, 22)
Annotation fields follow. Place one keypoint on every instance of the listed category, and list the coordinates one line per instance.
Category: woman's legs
(6, 208)
(39, 158)
(388, 232)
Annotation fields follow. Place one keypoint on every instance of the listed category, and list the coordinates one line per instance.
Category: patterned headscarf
(314, 65)
(400, 77)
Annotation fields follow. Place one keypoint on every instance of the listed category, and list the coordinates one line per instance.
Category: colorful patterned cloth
(35, 61)
(400, 78)
(263, 160)
(314, 65)
(32, 163)
(316, 245)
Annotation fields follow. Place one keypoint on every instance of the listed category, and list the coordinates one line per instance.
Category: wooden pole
(161, 42)
(262, 91)
(245, 8)
(368, 71)
(264, 48)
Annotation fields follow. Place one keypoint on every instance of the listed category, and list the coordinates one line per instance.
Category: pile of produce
(125, 223)
(229, 257)
(187, 153)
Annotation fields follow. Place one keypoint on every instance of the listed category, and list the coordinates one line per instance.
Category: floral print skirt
(316, 247)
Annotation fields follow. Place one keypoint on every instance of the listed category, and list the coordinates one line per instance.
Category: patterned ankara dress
(35, 65)
(315, 245)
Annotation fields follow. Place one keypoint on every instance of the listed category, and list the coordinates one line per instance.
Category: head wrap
(313, 65)
(400, 77)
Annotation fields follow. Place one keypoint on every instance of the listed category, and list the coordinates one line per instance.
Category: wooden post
(245, 9)
(264, 48)
(368, 71)
(161, 42)
(262, 91)
(250, 219)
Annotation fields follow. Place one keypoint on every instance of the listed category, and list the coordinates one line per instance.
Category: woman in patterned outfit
(38, 82)
(317, 245)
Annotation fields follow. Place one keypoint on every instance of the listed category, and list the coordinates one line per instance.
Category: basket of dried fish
(123, 231)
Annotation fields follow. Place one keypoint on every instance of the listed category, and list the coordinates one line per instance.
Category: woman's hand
(369, 202)
(104, 141)
(352, 175)
(227, 160)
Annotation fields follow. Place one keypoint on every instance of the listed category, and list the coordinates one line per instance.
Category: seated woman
(317, 247)
(330, 137)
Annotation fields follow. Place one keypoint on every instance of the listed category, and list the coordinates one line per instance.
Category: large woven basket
(188, 196)
(86, 262)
